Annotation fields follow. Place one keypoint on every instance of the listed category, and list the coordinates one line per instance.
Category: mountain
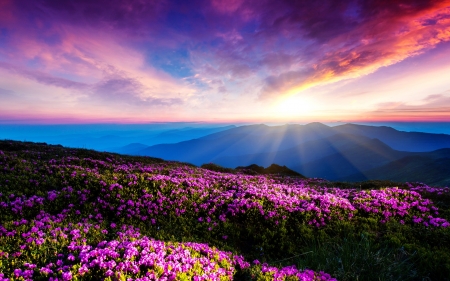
(177, 135)
(431, 168)
(272, 169)
(254, 169)
(238, 141)
(351, 159)
(260, 139)
(406, 141)
(314, 150)
(140, 142)
(304, 152)
(131, 149)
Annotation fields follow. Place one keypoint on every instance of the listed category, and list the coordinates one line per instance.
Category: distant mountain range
(347, 152)
(427, 168)
(110, 137)
(144, 140)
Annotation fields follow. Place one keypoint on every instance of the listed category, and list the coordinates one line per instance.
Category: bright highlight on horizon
(224, 61)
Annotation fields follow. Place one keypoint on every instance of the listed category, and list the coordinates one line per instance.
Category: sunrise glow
(224, 61)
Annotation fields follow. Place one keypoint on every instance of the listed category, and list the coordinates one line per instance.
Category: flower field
(74, 214)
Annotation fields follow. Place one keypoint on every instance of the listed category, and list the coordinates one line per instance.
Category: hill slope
(314, 150)
(260, 139)
(415, 168)
(238, 141)
(77, 214)
(405, 141)
(350, 160)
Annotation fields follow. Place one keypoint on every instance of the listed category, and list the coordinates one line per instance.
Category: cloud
(108, 14)
(391, 105)
(167, 53)
(226, 6)
(4, 93)
(6, 14)
(278, 61)
(294, 45)
(113, 88)
(431, 106)
(125, 90)
(44, 78)
(384, 35)
(437, 101)
(438, 98)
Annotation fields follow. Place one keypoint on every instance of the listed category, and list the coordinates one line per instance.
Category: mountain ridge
(314, 150)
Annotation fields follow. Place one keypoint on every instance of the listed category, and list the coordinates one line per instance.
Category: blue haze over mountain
(348, 152)
(109, 137)
(343, 152)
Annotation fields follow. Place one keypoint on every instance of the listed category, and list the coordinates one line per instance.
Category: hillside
(314, 150)
(238, 141)
(273, 169)
(329, 158)
(350, 160)
(139, 143)
(254, 169)
(410, 168)
(62, 210)
(404, 141)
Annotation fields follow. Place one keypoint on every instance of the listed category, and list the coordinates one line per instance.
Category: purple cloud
(124, 90)
(44, 78)
(358, 39)
(143, 53)
(6, 93)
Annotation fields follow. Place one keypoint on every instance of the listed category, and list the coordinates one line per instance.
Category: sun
(294, 106)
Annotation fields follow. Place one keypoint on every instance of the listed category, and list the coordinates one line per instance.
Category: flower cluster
(64, 216)
(266, 272)
(425, 189)
(401, 203)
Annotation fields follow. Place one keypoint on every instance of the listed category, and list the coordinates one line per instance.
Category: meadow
(77, 214)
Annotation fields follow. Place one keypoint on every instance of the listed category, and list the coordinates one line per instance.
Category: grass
(356, 257)
(105, 189)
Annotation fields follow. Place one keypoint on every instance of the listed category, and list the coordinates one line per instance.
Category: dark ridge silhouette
(309, 151)
(217, 168)
(313, 150)
(251, 169)
(281, 170)
(350, 159)
(272, 169)
(257, 139)
(238, 141)
(414, 168)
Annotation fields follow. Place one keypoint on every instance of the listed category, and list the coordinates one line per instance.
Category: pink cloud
(432, 108)
(6, 12)
(43, 77)
(206, 57)
(226, 6)
(125, 90)
(383, 38)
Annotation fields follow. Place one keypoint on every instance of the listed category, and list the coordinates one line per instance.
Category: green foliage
(359, 257)
(367, 185)
(357, 249)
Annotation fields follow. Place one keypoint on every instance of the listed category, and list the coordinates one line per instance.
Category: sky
(136, 61)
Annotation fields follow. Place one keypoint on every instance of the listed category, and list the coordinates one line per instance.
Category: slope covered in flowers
(68, 214)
